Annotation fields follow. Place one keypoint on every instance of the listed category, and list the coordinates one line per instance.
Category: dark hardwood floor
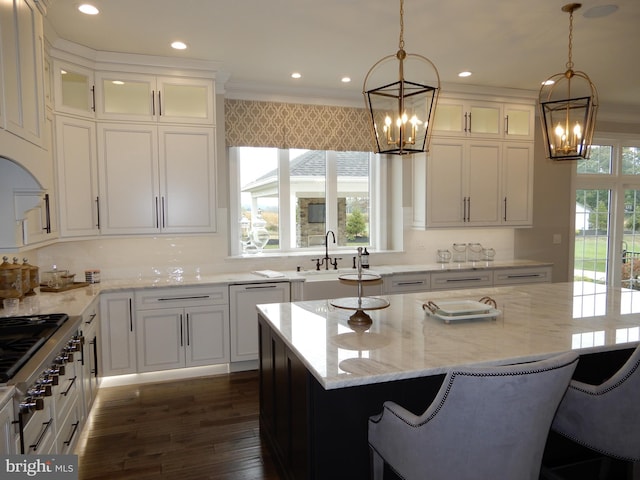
(204, 428)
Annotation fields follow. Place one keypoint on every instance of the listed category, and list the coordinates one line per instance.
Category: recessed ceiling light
(88, 9)
(118, 82)
(296, 75)
(548, 82)
(464, 74)
(179, 45)
(345, 79)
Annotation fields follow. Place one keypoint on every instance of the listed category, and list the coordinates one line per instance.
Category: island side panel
(316, 433)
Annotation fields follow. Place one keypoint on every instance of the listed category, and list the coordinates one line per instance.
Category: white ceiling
(258, 43)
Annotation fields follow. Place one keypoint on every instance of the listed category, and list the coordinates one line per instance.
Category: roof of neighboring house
(312, 163)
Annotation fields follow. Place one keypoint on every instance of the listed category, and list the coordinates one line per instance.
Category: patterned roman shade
(251, 123)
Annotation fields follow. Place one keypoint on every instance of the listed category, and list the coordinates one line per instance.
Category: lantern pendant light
(568, 104)
(402, 111)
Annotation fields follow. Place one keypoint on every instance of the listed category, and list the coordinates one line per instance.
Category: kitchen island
(320, 379)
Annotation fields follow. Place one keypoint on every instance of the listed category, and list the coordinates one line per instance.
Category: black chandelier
(568, 105)
(402, 111)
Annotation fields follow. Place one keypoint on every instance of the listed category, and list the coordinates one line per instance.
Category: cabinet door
(207, 335)
(161, 338)
(483, 189)
(185, 100)
(125, 96)
(450, 117)
(244, 316)
(117, 333)
(22, 44)
(519, 121)
(77, 176)
(445, 184)
(128, 177)
(517, 184)
(484, 119)
(73, 89)
(6, 430)
(187, 179)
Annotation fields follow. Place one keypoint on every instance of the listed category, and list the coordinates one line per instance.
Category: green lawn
(591, 253)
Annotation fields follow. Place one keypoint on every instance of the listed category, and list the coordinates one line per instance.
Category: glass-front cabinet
(134, 97)
(480, 119)
(73, 89)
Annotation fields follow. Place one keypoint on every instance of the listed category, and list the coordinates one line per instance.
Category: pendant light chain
(401, 43)
(570, 62)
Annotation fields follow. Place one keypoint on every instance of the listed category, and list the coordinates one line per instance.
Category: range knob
(31, 403)
(52, 374)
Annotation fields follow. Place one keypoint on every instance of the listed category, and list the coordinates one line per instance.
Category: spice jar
(10, 279)
(26, 277)
(34, 277)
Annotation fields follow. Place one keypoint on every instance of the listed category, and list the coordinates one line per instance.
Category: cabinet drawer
(514, 276)
(181, 297)
(453, 280)
(407, 283)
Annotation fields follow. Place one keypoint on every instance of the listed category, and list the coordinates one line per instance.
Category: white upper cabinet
(519, 121)
(147, 98)
(22, 51)
(156, 179)
(517, 184)
(77, 172)
(484, 119)
(462, 181)
(73, 89)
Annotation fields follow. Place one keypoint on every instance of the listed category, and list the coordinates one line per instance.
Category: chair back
(605, 417)
(485, 423)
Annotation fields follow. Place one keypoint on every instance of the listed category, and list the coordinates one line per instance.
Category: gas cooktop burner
(21, 337)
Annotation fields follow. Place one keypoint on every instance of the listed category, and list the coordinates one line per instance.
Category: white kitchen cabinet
(520, 275)
(517, 184)
(458, 184)
(73, 87)
(407, 283)
(178, 337)
(467, 279)
(182, 327)
(117, 332)
(77, 175)
(244, 316)
(467, 182)
(90, 356)
(147, 98)
(463, 117)
(519, 121)
(156, 179)
(22, 53)
(7, 430)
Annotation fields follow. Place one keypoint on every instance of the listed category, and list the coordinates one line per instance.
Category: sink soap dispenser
(365, 258)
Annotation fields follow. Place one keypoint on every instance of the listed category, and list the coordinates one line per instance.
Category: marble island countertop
(536, 321)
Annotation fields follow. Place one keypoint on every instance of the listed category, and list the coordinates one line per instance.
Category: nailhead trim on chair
(454, 374)
(609, 389)
(612, 387)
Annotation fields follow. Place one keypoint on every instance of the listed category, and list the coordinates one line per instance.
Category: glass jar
(10, 279)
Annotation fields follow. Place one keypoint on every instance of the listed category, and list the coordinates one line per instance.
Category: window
(607, 214)
(287, 199)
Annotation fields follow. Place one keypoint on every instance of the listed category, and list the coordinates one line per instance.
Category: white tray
(462, 307)
(492, 313)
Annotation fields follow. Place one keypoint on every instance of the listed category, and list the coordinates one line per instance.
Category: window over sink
(286, 200)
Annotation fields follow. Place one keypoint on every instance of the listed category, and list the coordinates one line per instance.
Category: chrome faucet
(326, 261)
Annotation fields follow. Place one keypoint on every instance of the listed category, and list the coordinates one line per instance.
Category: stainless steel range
(35, 353)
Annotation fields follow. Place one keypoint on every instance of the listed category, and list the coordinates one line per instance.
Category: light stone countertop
(74, 302)
(536, 321)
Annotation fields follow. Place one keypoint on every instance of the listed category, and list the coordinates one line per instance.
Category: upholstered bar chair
(605, 418)
(485, 423)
